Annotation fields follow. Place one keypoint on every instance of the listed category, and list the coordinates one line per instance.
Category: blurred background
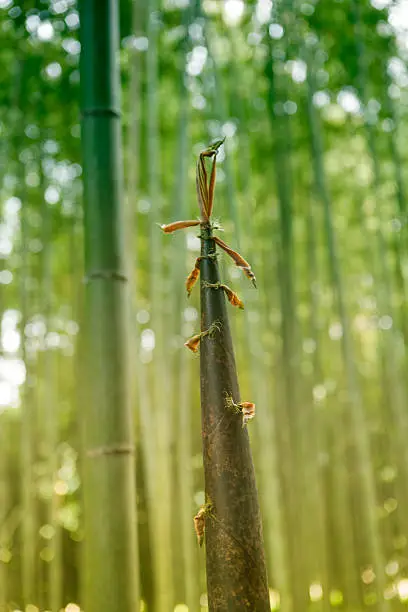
(312, 97)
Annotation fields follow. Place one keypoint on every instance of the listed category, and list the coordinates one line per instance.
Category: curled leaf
(192, 277)
(205, 192)
(199, 525)
(247, 409)
(232, 297)
(176, 225)
(248, 412)
(213, 149)
(193, 343)
(240, 262)
(211, 186)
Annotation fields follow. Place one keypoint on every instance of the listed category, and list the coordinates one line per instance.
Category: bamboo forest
(203, 291)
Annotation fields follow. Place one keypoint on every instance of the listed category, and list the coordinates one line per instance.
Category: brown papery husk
(236, 570)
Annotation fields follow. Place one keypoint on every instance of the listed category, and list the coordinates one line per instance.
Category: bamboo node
(105, 275)
(101, 112)
(115, 449)
(231, 295)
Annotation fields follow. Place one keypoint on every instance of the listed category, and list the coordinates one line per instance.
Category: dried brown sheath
(236, 570)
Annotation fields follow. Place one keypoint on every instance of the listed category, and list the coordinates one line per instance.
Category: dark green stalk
(111, 568)
(236, 571)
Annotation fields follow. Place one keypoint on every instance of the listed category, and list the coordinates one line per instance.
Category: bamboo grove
(302, 108)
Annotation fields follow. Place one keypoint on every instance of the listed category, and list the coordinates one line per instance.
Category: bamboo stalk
(51, 422)
(236, 572)
(111, 567)
(5, 508)
(266, 436)
(28, 524)
(162, 384)
(182, 372)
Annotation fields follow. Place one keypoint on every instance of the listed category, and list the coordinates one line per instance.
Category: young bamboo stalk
(266, 434)
(111, 568)
(236, 570)
(235, 561)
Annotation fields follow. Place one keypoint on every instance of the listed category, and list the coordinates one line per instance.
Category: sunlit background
(312, 97)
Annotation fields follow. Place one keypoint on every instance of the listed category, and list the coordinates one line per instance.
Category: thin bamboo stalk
(162, 384)
(51, 424)
(182, 371)
(28, 524)
(111, 567)
(145, 429)
(4, 505)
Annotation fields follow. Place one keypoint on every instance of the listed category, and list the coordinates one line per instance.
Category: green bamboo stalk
(4, 505)
(183, 507)
(355, 407)
(162, 383)
(50, 415)
(315, 427)
(145, 432)
(111, 567)
(27, 450)
(28, 524)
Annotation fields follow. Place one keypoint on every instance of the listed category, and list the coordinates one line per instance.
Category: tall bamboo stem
(111, 568)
